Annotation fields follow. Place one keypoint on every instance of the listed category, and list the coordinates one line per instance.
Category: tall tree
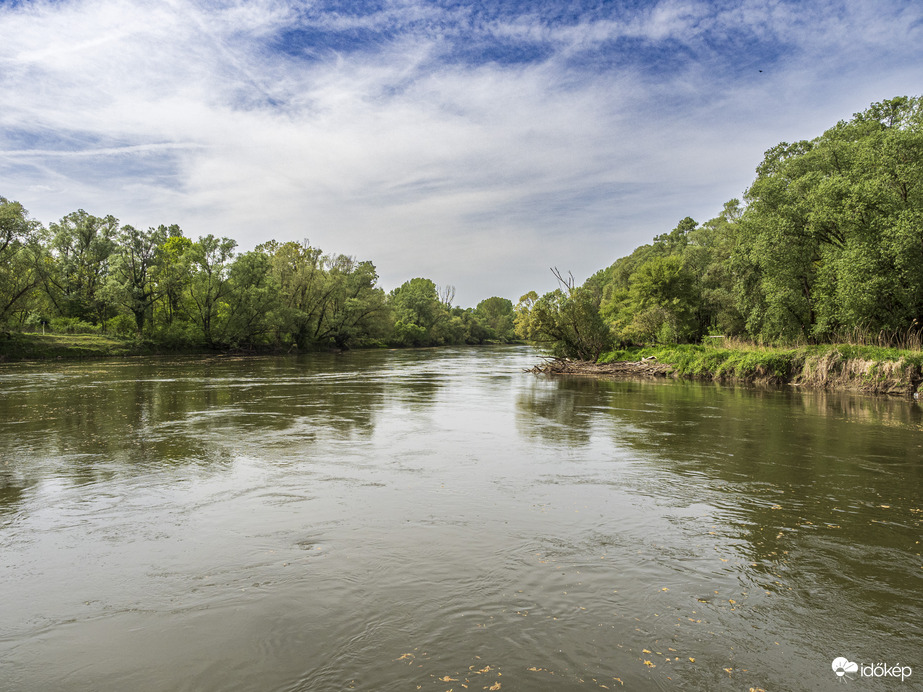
(208, 288)
(252, 299)
(569, 316)
(73, 275)
(355, 307)
(298, 271)
(418, 311)
(18, 273)
(497, 315)
(131, 278)
(832, 235)
(172, 275)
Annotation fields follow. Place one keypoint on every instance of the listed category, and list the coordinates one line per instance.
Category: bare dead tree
(567, 283)
(446, 295)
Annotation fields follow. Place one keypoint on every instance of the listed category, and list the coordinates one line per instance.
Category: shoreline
(36, 348)
(831, 367)
(824, 368)
(21, 347)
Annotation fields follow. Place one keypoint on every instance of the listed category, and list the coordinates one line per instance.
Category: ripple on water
(438, 518)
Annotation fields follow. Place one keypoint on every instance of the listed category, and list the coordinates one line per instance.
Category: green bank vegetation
(27, 346)
(826, 248)
(872, 369)
(88, 284)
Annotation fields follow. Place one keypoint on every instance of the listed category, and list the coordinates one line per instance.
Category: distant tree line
(828, 241)
(91, 274)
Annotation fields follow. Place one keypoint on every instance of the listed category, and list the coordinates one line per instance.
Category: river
(441, 520)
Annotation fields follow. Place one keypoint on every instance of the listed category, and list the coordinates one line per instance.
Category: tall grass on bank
(910, 339)
(882, 369)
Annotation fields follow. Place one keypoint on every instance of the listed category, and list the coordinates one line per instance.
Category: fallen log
(564, 366)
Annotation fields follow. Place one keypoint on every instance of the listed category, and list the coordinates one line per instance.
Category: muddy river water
(442, 520)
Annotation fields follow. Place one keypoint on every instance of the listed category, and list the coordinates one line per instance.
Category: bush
(72, 325)
(178, 335)
(122, 326)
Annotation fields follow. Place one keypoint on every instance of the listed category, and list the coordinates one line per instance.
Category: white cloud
(477, 175)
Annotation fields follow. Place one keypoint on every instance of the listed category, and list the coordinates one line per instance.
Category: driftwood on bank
(646, 367)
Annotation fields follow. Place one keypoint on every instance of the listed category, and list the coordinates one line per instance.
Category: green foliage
(53, 346)
(831, 241)
(86, 274)
(409, 334)
(523, 324)
(833, 233)
(423, 318)
(678, 239)
(355, 310)
(209, 287)
(867, 368)
(416, 302)
(252, 300)
(497, 316)
(74, 268)
(72, 325)
(18, 273)
(131, 281)
(569, 317)
(122, 325)
(660, 303)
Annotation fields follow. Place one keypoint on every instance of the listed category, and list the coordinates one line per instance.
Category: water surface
(439, 519)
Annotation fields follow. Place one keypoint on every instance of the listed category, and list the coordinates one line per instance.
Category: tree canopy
(828, 240)
(88, 273)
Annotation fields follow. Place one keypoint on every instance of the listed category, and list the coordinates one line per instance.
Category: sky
(477, 144)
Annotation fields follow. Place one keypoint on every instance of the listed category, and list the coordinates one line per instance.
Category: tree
(74, 272)
(208, 287)
(832, 236)
(298, 271)
(661, 302)
(676, 240)
(355, 308)
(523, 323)
(251, 299)
(171, 276)
(131, 278)
(18, 273)
(707, 257)
(569, 316)
(418, 311)
(497, 314)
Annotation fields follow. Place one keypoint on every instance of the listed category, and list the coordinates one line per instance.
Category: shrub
(72, 325)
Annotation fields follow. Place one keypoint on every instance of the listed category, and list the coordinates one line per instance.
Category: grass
(23, 346)
(881, 369)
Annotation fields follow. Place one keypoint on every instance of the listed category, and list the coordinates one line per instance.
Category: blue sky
(477, 144)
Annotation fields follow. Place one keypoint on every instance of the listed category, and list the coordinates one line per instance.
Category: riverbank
(18, 346)
(868, 369)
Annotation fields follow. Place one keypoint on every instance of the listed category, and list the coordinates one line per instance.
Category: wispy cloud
(476, 147)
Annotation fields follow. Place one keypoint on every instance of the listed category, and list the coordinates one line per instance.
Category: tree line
(828, 241)
(86, 273)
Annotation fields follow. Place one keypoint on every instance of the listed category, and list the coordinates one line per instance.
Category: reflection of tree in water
(416, 391)
(409, 378)
(11, 492)
(807, 487)
(98, 422)
(557, 411)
